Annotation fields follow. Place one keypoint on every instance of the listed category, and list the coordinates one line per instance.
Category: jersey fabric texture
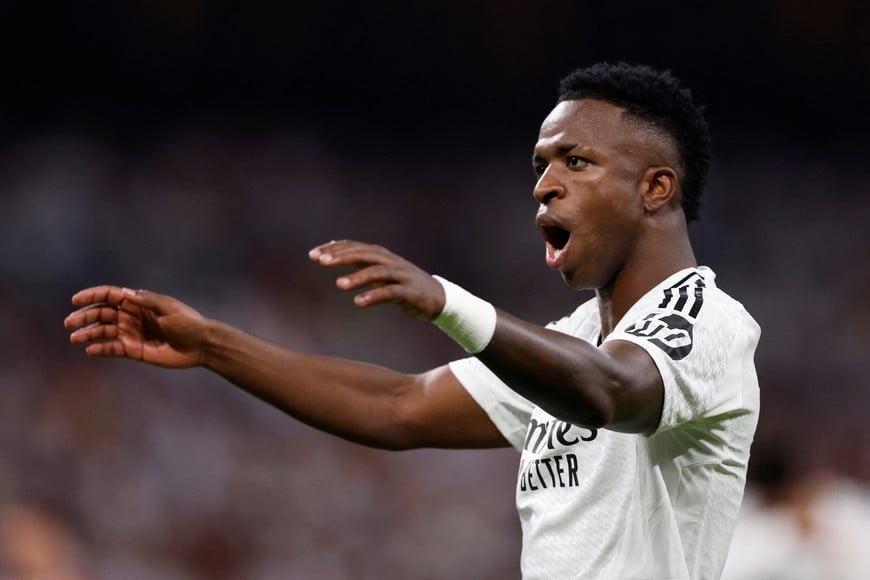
(595, 503)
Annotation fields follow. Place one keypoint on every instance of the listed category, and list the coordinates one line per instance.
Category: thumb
(142, 298)
(158, 304)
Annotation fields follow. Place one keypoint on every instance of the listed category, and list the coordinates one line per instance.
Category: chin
(579, 280)
(574, 281)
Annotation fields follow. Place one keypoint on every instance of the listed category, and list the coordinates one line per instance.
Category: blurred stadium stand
(201, 148)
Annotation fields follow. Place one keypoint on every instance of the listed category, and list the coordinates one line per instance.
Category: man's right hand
(137, 324)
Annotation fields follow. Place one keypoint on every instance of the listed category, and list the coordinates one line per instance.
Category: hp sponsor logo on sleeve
(671, 328)
(667, 330)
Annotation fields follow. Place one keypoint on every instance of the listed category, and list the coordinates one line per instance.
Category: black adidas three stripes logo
(670, 329)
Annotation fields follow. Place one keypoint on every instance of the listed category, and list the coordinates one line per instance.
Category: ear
(659, 188)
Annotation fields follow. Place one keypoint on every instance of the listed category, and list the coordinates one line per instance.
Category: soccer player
(633, 415)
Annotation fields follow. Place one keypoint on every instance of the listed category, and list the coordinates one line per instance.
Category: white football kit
(595, 503)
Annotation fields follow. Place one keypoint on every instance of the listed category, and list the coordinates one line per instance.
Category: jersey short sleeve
(691, 329)
(509, 411)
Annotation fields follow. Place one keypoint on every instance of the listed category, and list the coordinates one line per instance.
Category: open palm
(140, 325)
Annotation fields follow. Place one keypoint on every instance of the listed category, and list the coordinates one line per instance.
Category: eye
(577, 162)
(539, 169)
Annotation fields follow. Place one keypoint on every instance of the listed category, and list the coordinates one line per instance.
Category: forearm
(615, 386)
(356, 401)
(568, 377)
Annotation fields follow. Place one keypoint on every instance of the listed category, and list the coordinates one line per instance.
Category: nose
(548, 187)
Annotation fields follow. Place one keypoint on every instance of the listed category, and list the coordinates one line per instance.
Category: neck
(660, 253)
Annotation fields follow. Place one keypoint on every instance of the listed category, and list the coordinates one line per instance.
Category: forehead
(589, 122)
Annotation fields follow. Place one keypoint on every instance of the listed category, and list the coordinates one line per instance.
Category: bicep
(437, 411)
(638, 399)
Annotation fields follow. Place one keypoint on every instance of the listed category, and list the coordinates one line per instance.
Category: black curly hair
(656, 97)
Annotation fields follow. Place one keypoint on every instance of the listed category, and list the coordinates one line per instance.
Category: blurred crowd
(114, 471)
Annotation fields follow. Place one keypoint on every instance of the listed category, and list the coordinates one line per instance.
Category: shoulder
(687, 303)
(724, 316)
(702, 341)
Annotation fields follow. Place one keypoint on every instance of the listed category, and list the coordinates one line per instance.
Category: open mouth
(556, 236)
(558, 240)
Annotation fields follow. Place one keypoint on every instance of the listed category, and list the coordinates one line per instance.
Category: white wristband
(467, 319)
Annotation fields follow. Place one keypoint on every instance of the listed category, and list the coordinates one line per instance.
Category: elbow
(623, 407)
(392, 439)
(598, 414)
(625, 398)
(397, 430)
(586, 412)
(385, 422)
(395, 436)
(384, 438)
(592, 408)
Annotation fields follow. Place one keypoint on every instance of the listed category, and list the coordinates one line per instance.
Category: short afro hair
(658, 98)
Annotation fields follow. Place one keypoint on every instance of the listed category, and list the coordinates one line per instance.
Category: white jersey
(595, 503)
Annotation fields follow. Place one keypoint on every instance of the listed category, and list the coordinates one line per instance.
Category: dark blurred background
(200, 148)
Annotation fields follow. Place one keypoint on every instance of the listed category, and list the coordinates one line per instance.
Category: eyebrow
(560, 150)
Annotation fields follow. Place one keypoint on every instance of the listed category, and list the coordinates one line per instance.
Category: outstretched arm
(360, 402)
(617, 386)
